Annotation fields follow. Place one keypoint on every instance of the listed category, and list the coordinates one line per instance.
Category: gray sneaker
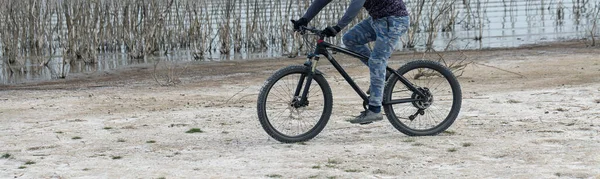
(366, 117)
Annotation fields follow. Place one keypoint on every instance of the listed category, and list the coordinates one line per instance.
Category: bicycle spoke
(287, 119)
(429, 113)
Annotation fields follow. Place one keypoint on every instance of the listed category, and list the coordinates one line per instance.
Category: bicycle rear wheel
(279, 110)
(420, 116)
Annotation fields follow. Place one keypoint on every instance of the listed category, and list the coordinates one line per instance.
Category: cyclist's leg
(357, 37)
(388, 30)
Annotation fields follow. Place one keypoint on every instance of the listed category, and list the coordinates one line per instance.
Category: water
(479, 25)
(528, 22)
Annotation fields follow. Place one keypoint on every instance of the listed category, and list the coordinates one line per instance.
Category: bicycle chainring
(423, 102)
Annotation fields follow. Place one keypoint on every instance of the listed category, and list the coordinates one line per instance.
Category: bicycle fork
(302, 101)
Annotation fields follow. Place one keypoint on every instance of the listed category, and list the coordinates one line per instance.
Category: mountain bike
(421, 98)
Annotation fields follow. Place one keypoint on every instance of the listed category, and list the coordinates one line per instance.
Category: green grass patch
(467, 144)
(116, 157)
(352, 170)
(449, 132)
(409, 140)
(29, 162)
(561, 109)
(194, 130)
(418, 144)
(6, 155)
(120, 140)
(107, 128)
(274, 176)
(22, 167)
(379, 171)
(151, 142)
(513, 101)
(76, 138)
(316, 167)
(452, 150)
(333, 161)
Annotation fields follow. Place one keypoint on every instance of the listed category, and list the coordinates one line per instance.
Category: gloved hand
(331, 31)
(299, 23)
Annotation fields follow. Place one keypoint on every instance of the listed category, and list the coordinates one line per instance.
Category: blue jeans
(386, 33)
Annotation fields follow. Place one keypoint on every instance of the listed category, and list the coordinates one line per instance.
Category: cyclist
(387, 22)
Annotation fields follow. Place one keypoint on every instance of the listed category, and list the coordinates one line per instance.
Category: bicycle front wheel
(417, 115)
(280, 112)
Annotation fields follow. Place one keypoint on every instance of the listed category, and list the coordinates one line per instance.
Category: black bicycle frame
(321, 49)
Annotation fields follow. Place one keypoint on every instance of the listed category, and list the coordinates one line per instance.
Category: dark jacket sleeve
(314, 8)
(349, 15)
(351, 12)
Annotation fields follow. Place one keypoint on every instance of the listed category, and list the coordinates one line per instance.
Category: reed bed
(80, 30)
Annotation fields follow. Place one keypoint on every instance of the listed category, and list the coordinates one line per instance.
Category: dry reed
(79, 31)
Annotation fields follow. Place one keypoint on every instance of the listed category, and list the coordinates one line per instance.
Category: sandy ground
(540, 120)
